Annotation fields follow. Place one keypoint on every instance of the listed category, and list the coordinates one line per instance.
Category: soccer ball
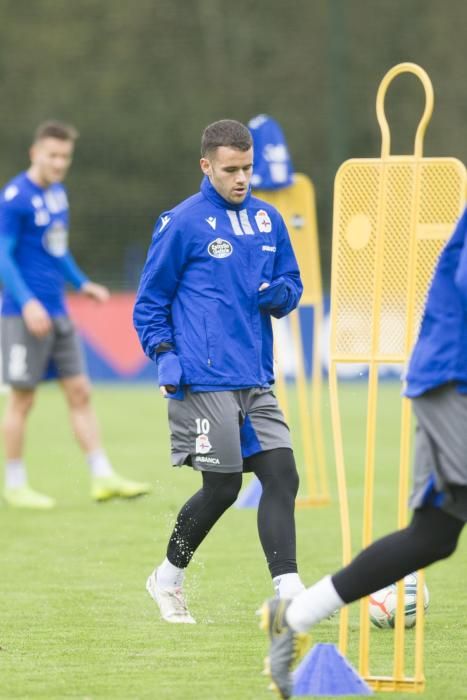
(382, 604)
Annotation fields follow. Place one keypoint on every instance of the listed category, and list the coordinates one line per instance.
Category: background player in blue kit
(37, 332)
(219, 266)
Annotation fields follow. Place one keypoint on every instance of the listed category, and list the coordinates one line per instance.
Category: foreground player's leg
(432, 535)
(195, 520)
(106, 484)
(278, 475)
(17, 492)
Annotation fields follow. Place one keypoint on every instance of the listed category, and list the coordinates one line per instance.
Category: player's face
(229, 171)
(50, 160)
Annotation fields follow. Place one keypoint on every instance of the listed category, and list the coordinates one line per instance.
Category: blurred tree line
(141, 78)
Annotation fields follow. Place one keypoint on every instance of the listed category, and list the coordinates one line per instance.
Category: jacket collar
(213, 196)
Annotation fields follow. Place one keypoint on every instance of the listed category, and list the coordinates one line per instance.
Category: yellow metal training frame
(392, 216)
(297, 205)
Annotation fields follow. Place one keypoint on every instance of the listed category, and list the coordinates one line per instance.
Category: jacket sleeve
(285, 290)
(11, 215)
(161, 275)
(70, 270)
(10, 274)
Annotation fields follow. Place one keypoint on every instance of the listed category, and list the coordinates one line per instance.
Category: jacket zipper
(207, 341)
(254, 315)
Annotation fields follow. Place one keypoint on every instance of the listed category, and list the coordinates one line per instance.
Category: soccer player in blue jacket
(37, 332)
(437, 384)
(219, 266)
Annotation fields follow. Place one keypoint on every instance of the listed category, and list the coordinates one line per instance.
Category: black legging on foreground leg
(432, 535)
(278, 475)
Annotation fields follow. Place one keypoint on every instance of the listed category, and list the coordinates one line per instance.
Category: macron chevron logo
(165, 220)
(212, 222)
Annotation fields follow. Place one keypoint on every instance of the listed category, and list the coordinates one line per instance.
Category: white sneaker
(171, 602)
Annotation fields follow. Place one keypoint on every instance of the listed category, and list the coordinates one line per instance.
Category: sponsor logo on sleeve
(220, 248)
(263, 221)
(269, 248)
(164, 221)
(10, 193)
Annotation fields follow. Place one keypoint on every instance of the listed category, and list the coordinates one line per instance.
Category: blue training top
(440, 353)
(199, 291)
(34, 259)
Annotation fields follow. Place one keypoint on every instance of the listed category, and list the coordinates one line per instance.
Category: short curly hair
(226, 132)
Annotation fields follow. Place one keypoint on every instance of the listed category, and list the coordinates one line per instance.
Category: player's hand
(96, 291)
(167, 390)
(36, 318)
(169, 372)
(273, 296)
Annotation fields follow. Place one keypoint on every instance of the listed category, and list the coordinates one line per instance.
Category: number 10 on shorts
(202, 425)
(202, 441)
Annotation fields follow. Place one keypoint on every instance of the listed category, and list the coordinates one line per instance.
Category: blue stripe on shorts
(248, 439)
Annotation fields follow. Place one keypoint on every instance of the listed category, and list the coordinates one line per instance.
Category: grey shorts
(217, 430)
(26, 360)
(440, 470)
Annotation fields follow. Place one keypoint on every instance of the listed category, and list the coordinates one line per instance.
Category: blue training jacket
(199, 289)
(35, 261)
(440, 353)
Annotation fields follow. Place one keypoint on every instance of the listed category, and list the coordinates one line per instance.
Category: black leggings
(432, 535)
(276, 525)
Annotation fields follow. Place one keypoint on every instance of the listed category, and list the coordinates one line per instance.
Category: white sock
(15, 474)
(313, 605)
(169, 576)
(99, 463)
(288, 585)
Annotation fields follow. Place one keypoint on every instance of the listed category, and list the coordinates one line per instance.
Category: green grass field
(76, 621)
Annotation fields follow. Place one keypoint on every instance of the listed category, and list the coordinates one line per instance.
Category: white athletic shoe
(171, 602)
